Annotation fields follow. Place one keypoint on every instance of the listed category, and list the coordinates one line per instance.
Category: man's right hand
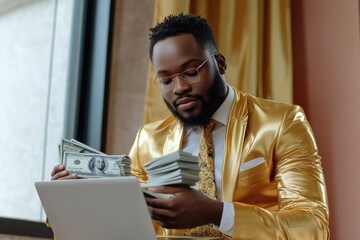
(59, 173)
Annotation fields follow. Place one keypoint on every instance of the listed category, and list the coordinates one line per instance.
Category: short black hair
(174, 25)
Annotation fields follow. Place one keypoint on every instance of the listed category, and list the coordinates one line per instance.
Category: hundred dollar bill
(94, 165)
(80, 144)
(74, 146)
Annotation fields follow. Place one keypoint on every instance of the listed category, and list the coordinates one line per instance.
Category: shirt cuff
(227, 219)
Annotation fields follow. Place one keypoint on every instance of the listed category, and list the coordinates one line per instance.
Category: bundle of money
(175, 168)
(88, 162)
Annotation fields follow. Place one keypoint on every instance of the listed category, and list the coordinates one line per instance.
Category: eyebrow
(182, 66)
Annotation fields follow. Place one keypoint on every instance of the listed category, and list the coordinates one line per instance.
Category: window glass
(34, 55)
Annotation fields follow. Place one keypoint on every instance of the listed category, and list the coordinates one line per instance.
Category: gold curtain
(253, 35)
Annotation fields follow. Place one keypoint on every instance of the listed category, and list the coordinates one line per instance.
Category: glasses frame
(159, 80)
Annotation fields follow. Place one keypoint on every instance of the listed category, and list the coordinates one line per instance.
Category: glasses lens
(164, 84)
(191, 75)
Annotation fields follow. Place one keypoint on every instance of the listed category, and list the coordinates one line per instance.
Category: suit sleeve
(136, 167)
(302, 202)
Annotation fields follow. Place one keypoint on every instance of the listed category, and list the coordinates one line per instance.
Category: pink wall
(326, 55)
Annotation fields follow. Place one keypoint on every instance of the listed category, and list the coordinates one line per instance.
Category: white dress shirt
(191, 144)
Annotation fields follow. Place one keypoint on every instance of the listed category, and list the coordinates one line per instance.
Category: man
(266, 171)
(97, 165)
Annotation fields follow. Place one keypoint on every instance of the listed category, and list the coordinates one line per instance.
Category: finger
(63, 175)
(165, 218)
(160, 210)
(57, 168)
(149, 201)
(154, 202)
(160, 203)
(163, 214)
(60, 174)
(70, 176)
(169, 189)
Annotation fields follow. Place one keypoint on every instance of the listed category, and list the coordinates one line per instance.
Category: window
(34, 55)
(53, 71)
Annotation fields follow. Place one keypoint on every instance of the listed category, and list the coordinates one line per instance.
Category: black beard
(216, 95)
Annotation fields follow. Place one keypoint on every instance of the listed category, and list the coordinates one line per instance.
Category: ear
(220, 59)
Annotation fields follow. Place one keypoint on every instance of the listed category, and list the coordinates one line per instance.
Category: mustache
(179, 99)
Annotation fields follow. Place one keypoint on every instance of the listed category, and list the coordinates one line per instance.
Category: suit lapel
(234, 139)
(173, 139)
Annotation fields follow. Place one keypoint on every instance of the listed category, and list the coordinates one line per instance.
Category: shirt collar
(222, 113)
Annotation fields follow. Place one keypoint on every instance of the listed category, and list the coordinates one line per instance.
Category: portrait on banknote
(98, 165)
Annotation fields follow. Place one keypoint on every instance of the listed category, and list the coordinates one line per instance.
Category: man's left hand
(189, 208)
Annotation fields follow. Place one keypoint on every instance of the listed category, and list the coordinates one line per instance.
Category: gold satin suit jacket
(284, 197)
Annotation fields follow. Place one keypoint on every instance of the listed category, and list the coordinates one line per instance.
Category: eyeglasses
(190, 76)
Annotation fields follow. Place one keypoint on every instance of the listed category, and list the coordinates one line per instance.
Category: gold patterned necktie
(206, 161)
(207, 180)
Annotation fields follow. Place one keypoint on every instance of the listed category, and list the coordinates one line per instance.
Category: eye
(190, 73)
(165, 80)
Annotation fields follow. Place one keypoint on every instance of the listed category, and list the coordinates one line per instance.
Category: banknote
(88, 165)
(178, 156)
(148, 193)
(175, 168)
(165, 180)
(75, 147)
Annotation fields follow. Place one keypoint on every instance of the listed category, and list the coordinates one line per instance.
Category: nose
(180, 85)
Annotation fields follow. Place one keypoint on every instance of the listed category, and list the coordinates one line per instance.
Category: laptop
(94, 209)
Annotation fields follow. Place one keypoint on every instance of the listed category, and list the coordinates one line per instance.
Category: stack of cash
(88, 162)
(175, 168)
